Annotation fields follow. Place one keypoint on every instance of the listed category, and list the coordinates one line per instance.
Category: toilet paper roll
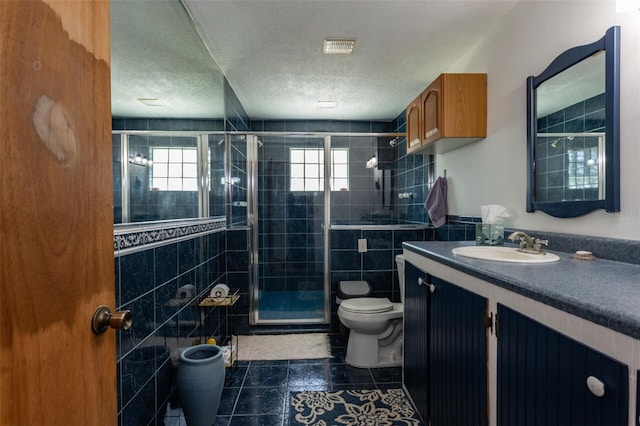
(186, 292)
(220, 290)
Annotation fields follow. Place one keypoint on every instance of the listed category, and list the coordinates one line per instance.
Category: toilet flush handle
(432, 288)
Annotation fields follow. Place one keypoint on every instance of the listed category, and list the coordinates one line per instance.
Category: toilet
(375, 325)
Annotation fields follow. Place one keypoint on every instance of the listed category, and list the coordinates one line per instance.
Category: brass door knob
(103, 319)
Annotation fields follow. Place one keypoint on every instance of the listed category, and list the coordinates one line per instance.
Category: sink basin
(504, 254)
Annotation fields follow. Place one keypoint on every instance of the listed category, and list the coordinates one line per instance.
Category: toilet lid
(368, 305)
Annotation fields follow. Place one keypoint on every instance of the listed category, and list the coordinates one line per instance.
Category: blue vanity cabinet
(457, 356)
(542, 378)
(445, 352)
(416, 333)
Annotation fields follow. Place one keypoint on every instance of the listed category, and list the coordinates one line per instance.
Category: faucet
(528, 244)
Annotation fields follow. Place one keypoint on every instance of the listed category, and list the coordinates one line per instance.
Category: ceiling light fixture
(327, 104)
(151, 102)
(338, 46)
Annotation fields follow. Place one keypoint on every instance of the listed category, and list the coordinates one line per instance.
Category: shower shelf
(227, 302)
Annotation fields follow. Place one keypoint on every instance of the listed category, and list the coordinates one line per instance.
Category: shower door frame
(254, 234)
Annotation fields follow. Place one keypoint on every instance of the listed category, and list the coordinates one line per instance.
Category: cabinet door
(457, 356)
(432, 113)
(415, 369)
(542, 378)
(414, 127)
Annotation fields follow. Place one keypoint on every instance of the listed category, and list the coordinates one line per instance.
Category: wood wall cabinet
(450, 113)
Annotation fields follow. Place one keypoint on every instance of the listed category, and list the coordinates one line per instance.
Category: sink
(504, 254)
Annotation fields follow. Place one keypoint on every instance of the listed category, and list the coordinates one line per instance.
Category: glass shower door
(290, 226)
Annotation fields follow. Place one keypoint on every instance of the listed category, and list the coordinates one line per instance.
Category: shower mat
(283, 346)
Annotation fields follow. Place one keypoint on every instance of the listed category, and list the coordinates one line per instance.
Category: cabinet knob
(596, 386)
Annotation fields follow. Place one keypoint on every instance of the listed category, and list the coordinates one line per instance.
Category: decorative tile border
(137, 237)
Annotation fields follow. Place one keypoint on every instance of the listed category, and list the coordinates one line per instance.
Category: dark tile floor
(257, 392)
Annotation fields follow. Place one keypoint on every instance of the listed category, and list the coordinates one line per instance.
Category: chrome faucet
(528, 244)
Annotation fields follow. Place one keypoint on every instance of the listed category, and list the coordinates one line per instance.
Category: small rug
(351, 407)
(283, 346)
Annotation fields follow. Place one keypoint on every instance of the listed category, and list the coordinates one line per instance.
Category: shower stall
(299, 185)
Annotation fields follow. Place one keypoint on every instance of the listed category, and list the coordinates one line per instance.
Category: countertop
(601, 291)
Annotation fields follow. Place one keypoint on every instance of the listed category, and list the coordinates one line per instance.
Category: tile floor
(257, 392)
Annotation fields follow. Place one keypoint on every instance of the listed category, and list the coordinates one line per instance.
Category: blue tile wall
(414, 176)
(551, 159)
(376, 266)
(126, 123)
(159, 286)
(236, 118)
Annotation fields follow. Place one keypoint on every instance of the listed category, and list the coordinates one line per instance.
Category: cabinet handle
(596, 386)
(432, 288)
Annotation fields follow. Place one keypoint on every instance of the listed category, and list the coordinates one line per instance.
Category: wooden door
(414, 126)
(56, 214)
(432, 112)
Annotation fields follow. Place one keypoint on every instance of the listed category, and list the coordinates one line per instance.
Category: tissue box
(489, 234)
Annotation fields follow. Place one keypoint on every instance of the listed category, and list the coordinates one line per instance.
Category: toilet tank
(400, 267)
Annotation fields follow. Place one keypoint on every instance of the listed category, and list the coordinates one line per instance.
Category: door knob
(103, 318)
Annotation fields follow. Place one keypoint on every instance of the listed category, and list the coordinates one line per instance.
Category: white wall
(493, 170)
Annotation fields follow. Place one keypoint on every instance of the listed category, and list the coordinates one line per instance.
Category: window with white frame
(307, 169)
(174, 169)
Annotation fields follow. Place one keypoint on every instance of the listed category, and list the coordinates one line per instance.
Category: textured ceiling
(271, 53)
(156, 52)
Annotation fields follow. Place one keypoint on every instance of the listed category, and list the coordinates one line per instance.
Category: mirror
(167, 92)
(573, 128)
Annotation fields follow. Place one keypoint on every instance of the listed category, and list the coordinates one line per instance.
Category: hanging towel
(436, 203)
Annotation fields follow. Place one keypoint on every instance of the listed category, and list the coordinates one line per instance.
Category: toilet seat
(367, 305)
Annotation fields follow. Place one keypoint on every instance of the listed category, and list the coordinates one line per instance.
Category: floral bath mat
(352, 407)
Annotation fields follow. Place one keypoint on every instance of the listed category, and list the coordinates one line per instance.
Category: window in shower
(583, 168)
(307, 169)
(174, 169)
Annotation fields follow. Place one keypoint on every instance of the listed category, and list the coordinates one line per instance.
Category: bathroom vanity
(494, 343)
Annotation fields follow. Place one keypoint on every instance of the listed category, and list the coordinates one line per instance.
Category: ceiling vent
(338, 46)
(327, 104)
(151, 102)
